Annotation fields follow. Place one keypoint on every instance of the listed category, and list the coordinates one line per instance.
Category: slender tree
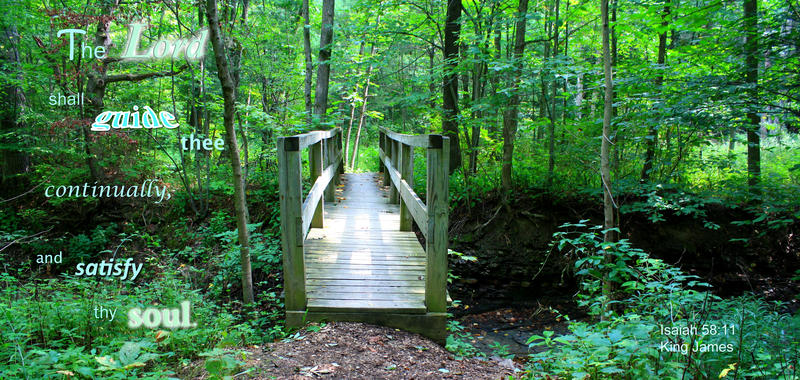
(652, 133)
(14, 161)
(510, 115)
(324, 65)
(307, 54)
(751, 78)
(452, 29)
(605, 147)
(229, 113)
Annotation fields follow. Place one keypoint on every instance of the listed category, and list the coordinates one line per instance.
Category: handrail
(397, 163)
(298, 215)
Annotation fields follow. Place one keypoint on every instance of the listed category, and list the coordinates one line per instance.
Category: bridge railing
(397, 164)
(299, 215)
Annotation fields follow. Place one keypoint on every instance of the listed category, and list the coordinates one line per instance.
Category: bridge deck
(360, 261)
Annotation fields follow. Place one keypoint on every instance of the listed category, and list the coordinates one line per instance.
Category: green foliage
(743, 336)
(221, 365)
(458, 343)
(49, 326)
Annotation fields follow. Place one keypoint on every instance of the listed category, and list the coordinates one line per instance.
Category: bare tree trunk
(352, 115)
(652, 133)
(605, 145)
(363, 110)
(551, 157)
(229, 96)
(309, 63)
(751, 78)
(324, 65)
(510, 119)
(450, 81)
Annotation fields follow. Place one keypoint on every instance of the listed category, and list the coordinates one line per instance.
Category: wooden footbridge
(349, 251)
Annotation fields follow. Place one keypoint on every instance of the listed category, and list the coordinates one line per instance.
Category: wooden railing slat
(307, 139)
(418, 210)
(314, 198)
(419, 141)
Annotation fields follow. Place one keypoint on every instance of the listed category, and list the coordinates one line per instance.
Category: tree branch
(140, 77)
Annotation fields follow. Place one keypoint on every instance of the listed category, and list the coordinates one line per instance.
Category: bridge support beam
(436, 242)
(289, 167)
(430, 325)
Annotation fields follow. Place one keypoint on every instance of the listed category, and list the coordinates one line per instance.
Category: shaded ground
(357, 351)
(512, 326)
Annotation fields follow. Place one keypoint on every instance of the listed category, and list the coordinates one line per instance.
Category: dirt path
(357, 351)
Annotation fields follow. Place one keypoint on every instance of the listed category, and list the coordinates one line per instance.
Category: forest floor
(341, 350)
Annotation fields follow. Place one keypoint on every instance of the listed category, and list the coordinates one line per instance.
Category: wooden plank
(396, 246)
(328, 254)
(357, 265)
(360, 305)
(348, 296)
(291, 225)
(365, 282)
(342, 232)
(413, 140)
(319, 261)
(362, 248)
(436, 239)
(356, 290)
(362, 275)
(357, 259)
(386, 241)
(400, 270)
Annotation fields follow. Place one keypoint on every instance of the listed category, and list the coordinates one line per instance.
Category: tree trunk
(229, 96)
(324, 65)
(309, 63)
(605, 145)
(363, 107)
(751, 78)
(96, 89)
(450, 81)
(652, 133)
(510, 119)
(12, 101)
(352, 114)
(551, 157)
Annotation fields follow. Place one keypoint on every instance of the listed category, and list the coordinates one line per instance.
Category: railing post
(330, 157)
(339, 154)
(316, 165)
(382, 145)
(406, 173)
(394, 194)
(387, 149)
(436, 242)
(290, 185)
